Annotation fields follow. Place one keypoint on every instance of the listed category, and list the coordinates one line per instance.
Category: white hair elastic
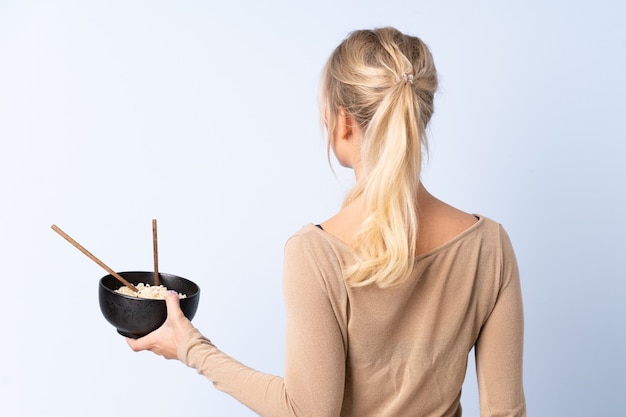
(408, 78)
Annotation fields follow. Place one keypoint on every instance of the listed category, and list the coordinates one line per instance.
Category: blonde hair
(386, 82)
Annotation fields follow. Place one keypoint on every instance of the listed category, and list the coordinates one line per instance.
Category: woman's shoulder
(313, 234)
(314, 240)
(440, 222)
(319, 255)
(345, 224)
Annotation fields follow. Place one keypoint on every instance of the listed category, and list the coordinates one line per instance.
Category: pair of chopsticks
(108, 269)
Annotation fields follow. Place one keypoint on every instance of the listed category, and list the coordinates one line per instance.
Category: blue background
(204, 116)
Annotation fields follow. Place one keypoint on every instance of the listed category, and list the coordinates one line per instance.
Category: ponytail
(386, 81)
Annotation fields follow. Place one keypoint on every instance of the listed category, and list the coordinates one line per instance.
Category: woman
(386, 299)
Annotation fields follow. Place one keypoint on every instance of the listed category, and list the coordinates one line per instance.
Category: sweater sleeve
(499, 348)
(315, 358)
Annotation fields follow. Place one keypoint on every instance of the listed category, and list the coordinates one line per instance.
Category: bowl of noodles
(135, 314)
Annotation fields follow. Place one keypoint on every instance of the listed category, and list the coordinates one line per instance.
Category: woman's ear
(344, 125)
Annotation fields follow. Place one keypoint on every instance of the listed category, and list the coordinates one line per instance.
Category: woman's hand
(164, 340)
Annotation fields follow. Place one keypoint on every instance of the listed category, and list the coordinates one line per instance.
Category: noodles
(147, 291)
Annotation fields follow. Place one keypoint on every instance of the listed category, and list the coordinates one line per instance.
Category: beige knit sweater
(361, 352)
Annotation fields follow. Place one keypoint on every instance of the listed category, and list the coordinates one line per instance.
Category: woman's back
(406, 346)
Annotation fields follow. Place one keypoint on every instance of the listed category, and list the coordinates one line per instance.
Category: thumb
(172, 302)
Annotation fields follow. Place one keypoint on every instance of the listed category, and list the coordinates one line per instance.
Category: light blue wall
(204, 116)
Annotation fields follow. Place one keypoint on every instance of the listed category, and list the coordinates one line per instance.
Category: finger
(143, 343)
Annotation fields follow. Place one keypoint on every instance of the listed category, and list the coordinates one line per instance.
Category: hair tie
(408, 78)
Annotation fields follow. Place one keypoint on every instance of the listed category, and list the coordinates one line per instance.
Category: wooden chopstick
(155, 248)
(93, 258)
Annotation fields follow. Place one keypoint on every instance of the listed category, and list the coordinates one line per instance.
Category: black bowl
(136, 317)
